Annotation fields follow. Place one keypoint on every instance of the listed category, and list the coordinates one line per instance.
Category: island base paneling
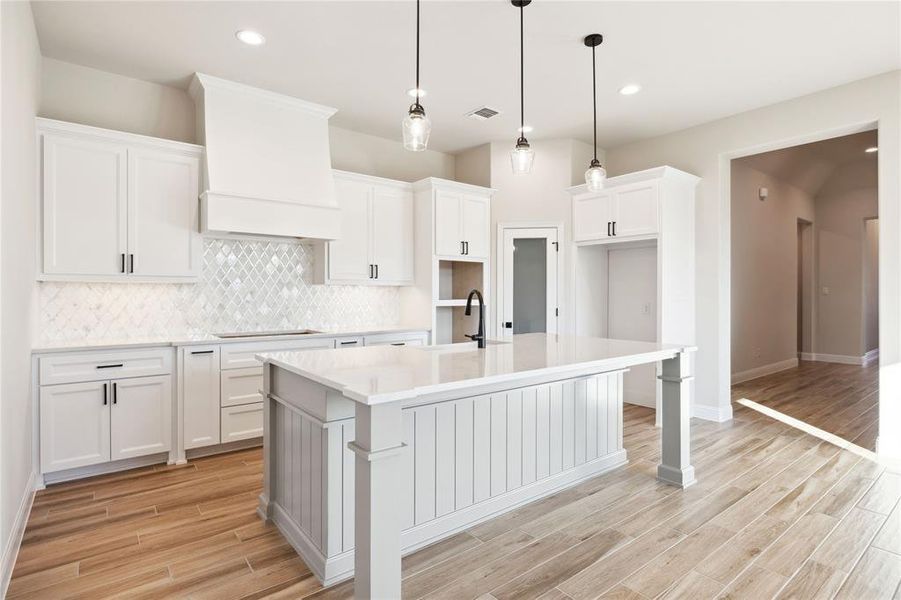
(465, 460)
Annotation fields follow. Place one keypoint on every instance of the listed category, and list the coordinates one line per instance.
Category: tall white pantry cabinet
(635, 265)
(117, 206)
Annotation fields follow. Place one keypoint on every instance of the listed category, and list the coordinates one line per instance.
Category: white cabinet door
(349, 256)
(75, 425)
(475, 219)
(592, 216)
(84, 206)
(636, 210)
(201, 396)
(141, 421)
(448, 224)
(163, 226)
(392, 235)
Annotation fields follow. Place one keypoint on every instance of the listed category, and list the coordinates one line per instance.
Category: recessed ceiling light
(872, 149)
(416, 93)
(629, 89)
(525, 129)
(250, 37)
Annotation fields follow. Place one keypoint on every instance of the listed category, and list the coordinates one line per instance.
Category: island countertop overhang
(377, 375)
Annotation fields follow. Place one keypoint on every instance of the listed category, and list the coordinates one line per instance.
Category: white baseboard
(834, 358)
(769, 369)
(11, 550)
(871, 356)
(718, 414)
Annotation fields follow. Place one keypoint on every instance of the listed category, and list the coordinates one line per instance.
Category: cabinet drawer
(242, 386)
(242, 422)
(238, 356)
(397, 339)
(96, 366)
(348, 342)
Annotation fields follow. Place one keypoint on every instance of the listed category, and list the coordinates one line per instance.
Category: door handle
(462, 247)
(115, 399)
(104, 395)
(131, 263)
(370, 271)
(376, 271)
(508, 325)
(122, 263)
(608, 228)
(614, 228)
(467, 248)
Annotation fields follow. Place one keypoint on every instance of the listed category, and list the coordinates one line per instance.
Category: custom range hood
(268, 168)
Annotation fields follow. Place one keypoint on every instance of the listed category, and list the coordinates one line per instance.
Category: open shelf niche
(456, 278)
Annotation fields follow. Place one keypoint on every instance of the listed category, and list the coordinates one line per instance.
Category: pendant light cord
(418, 92)
(594, 100)
(522, 83)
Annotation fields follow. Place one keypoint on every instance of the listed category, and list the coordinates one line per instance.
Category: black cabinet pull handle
(131, 263)
(122, 263)
(115, 398)
(608, 228)
(104, 394)
(349, 343)
(465, 247)
(614, 228)
(202, 351)
(376, 271)
(370, 271)
(462, 247)
(110, 366)
(398, 343)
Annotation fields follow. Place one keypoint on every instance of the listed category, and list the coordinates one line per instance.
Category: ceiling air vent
(483, 113)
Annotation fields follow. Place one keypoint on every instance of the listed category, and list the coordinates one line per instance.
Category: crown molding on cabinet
(45, 125)
(664, 172)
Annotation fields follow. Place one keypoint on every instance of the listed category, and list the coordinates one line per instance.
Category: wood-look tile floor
(840, 399)
(776, 513)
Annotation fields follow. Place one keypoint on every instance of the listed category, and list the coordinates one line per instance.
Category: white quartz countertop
(208, 338)
(374, 375)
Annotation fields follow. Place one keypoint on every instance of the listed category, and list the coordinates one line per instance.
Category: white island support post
(675, 444)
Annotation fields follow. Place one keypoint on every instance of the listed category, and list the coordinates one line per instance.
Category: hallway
(840, 399)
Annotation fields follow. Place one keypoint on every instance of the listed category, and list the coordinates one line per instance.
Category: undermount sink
(242, 334)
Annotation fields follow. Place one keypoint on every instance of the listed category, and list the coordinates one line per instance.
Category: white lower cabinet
(242, 422)
(98, 421)
(141, 421)
(200, 389)
(75, 425)
(242, 386)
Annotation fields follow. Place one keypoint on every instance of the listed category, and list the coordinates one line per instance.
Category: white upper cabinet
(118, 206)
(162, 214)
(448, 223)
(84, 182)
(392, 233)
(461, 223)
(349, 258)
(629, 207)
(376, 242)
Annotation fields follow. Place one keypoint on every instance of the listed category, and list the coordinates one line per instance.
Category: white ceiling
(809, 166)
(697, 61)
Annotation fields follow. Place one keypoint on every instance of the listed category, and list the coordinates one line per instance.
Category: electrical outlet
(646, 309)
(825, 290)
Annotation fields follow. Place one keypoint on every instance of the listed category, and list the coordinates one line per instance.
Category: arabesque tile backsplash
(245, 285)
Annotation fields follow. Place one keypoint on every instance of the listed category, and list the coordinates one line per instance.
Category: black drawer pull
(104, 395)
(110, 366)
(351, 342)
(202, 351)
(398, 343)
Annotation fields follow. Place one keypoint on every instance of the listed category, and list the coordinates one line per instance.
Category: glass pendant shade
(417, 128)
(522, 157)
(595, 176)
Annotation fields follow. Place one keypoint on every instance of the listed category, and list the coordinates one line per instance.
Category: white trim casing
(782, 365)
(11, 551)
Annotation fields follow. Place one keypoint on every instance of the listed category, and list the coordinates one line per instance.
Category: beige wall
(705, 150)
(371, 155)
(19, 96)
(92, 97)
(847, 198)
(764, 269)
(84, 95)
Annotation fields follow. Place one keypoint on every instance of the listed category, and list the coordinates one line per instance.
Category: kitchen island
(372, 453)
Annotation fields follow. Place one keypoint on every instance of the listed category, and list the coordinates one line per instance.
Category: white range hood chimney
(268, 167)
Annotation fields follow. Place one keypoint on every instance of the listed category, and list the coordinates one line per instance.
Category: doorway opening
(805, 285)
(529, 270)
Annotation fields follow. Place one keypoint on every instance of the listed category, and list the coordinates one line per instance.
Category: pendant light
(416, 125)
(522, 154)
(596, 174)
